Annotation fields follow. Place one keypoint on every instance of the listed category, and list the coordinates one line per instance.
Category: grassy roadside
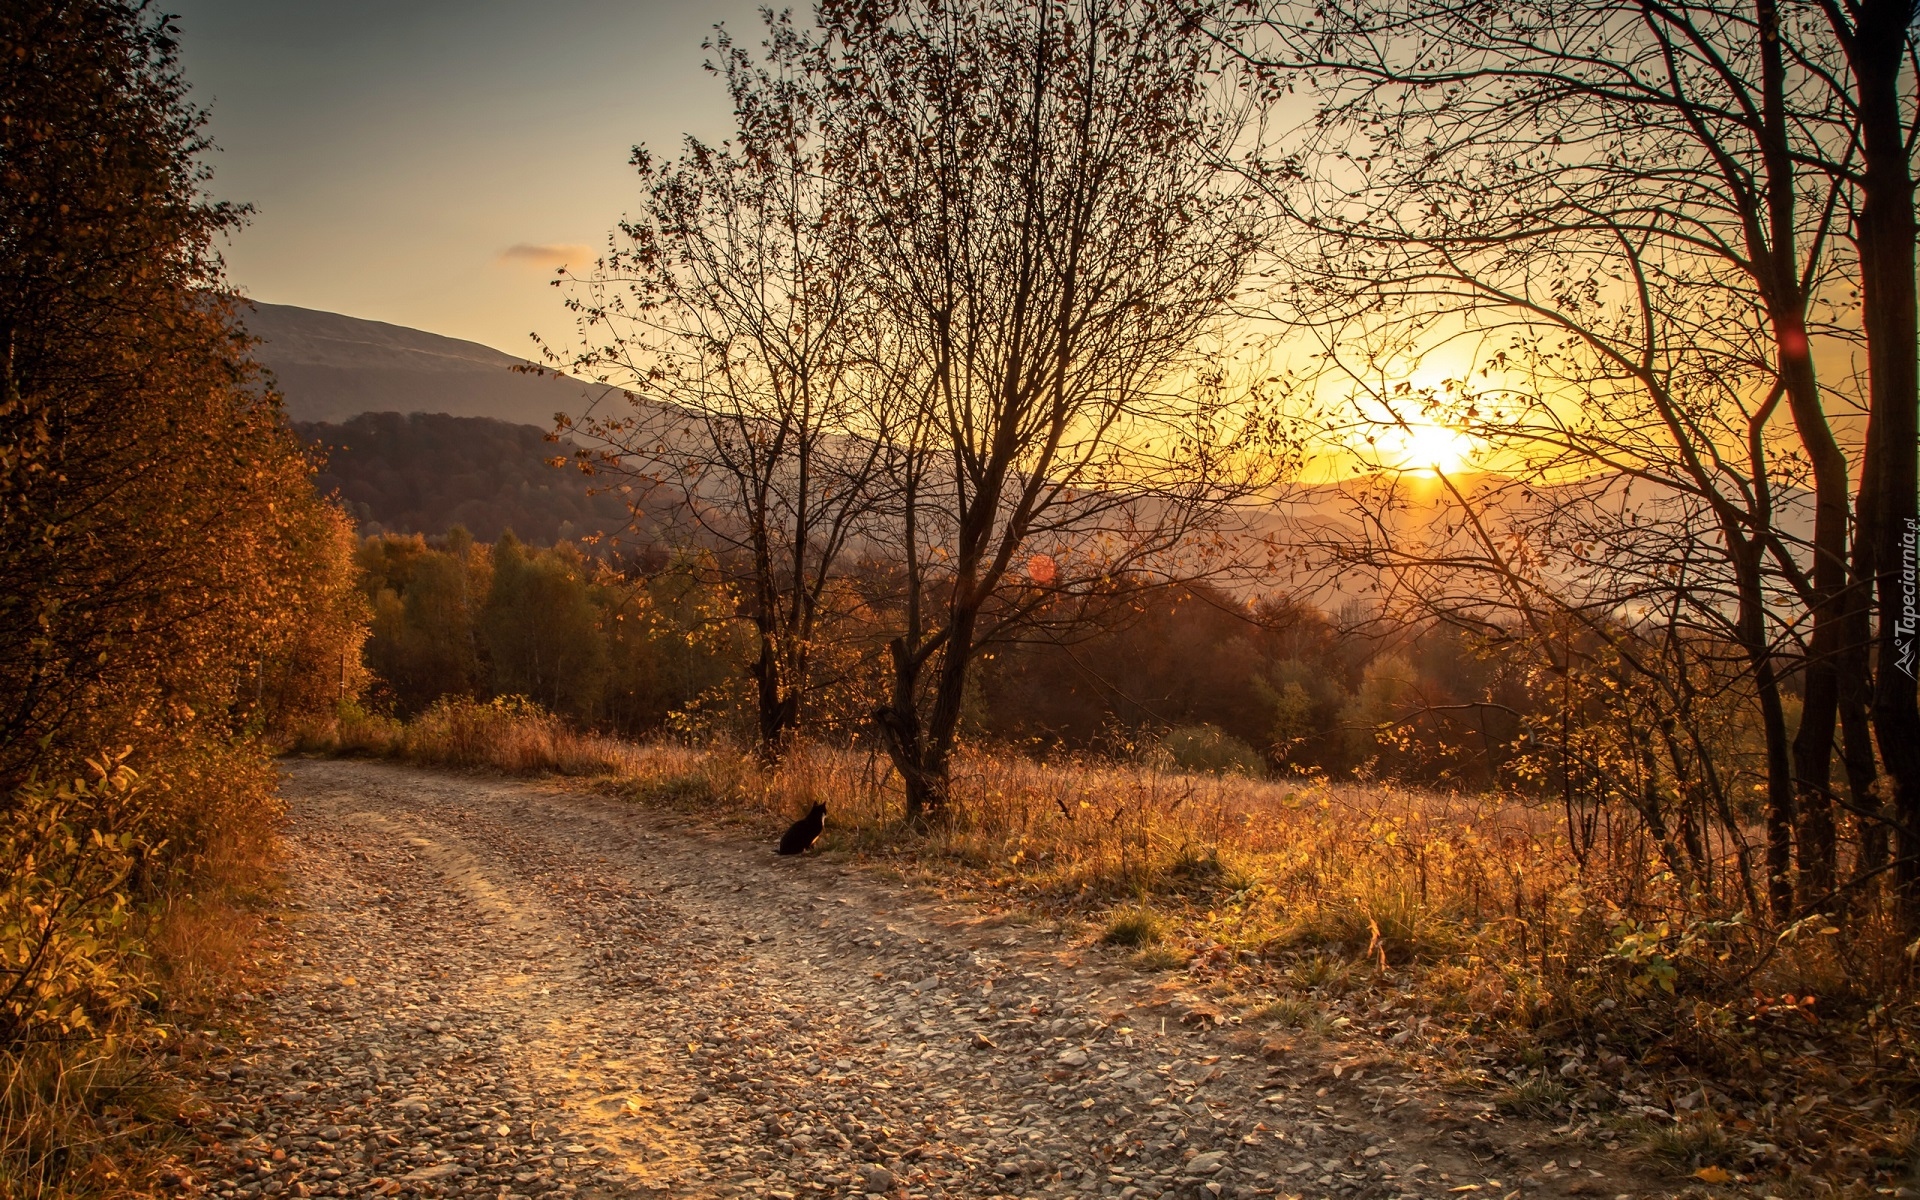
(1455, 935)
(94, 1098)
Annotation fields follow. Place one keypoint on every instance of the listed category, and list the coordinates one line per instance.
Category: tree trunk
(1778, 264)
(943, 719)
(1780, 815)
(778, 705)
(1648, 803)
(1813, 744)
(1856, 743)
(1856, 679)
(898, 723)
(1745, 558)
(1876, 48)
(923, 754)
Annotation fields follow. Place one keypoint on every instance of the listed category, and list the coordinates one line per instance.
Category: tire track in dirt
(509, 989)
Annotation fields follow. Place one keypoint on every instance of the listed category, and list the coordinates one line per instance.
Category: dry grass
(1135, 927)
(93, 1105)
(108, 1116)
(1362, 909)
(1534, 1096)
(513, 736)
(1286, 1012)
(1693, 1141)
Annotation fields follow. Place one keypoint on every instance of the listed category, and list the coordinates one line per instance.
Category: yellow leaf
(1713, 1175)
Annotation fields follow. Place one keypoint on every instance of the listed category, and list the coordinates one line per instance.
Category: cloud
(545, 256)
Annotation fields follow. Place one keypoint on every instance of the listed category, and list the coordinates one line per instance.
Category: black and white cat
(804, 832)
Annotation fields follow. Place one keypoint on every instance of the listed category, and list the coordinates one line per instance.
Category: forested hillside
(429, 472)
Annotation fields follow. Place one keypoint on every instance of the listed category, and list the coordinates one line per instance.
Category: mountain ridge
(330, 367)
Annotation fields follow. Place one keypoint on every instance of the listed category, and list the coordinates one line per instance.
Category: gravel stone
(507, 989)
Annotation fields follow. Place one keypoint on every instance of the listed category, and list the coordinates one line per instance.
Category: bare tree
(1052, 237)
(1636, 215)
(736, 314)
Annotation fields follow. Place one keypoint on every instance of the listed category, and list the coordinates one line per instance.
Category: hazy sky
(398, 151)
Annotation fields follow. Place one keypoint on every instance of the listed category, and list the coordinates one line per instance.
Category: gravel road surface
(504, 988)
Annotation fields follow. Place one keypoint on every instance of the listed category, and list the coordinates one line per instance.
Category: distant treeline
(429, 472)
(457, 617)
(1294, 685)
(636, 646)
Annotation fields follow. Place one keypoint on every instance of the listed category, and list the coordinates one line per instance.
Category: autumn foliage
(172, 591)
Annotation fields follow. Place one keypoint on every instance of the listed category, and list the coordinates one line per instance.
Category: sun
(1424, 446)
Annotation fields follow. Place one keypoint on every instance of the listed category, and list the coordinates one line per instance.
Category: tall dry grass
(126, 915)
(1320, 904)
(1392, 876)
(511, 735)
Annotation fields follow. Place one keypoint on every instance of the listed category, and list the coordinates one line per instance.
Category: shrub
(171, 585)
(68, 960)
(1210, 749)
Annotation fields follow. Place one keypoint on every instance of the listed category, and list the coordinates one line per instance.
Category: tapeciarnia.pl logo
(1909, 619)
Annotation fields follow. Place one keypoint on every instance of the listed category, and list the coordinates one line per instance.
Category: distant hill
(331, 367)
(427, 472)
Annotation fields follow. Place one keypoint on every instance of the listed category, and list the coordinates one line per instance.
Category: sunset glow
(1425, 446)
(1382, 533)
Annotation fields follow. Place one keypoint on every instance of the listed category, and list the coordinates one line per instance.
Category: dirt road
(504, 988)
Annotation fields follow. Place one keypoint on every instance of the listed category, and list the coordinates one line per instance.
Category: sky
(429, 162)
